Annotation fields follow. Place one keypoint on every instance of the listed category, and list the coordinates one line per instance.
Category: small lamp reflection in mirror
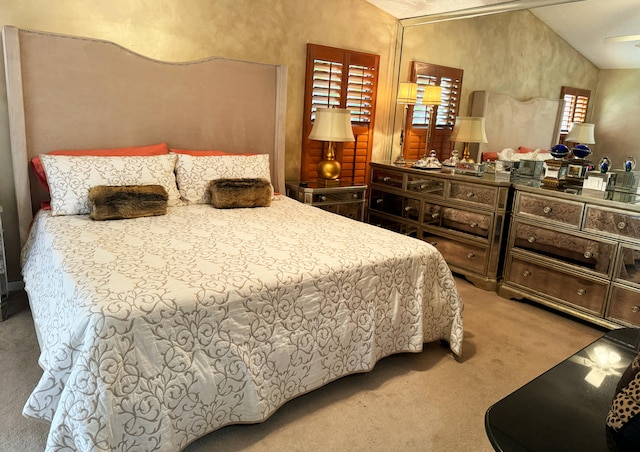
(332, 125)
(583, 134)
(407, 95)
(468, 129)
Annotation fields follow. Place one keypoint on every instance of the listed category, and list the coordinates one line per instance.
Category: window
(450, 80)
(343, 79)
(576, 103)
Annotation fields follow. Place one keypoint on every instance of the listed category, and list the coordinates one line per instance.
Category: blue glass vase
(605, 164)
(630, 163)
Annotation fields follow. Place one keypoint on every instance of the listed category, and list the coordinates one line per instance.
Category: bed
(157, 330)
(527, 128)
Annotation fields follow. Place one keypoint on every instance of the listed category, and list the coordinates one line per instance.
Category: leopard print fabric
(626, 402)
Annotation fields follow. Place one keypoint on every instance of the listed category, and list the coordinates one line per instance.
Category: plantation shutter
(576, 103)
(450, 80)
(343, 79)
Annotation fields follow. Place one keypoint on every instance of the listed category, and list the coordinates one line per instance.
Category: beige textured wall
(271, 31)
(616, 116)
(510, 53)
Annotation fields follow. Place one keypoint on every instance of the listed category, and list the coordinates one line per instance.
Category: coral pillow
(197, 153)
(154, 149)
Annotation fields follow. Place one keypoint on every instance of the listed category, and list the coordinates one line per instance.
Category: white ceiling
(585, 24)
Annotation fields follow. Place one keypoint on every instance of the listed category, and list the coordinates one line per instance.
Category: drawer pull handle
(408, 209)
(323, 198)
(622, 225)
(581, 292)
(355, 196)
(526, 273)
(547, 209)
(386, 179)
(470, 194)
(635, 309)
(471, 256)
(473, 225)
(379, 201)
(435, 215)
(531, 239)
(423, 186)
(588, 254)
(433, 243)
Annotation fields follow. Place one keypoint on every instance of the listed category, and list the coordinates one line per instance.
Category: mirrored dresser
(575, 253)
(463, 216)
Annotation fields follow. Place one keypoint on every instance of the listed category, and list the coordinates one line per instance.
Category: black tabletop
(565, 408)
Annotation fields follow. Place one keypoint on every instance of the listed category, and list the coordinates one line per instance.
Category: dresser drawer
(338, 196)
(612, 222)
(431, 214)
(568, 213)
(624, 305)
(628, 267)
(478, 224)
(425, 185)
(386, 177)
(593, 254)
(394, 204)
(463, 255)
(585, 293)
(393, 224)
(475, 194)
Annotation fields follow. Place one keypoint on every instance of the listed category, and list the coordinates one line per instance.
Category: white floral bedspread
(156, 331)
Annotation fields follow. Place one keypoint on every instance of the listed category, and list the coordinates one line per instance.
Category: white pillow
(71, 177)
(194, 173)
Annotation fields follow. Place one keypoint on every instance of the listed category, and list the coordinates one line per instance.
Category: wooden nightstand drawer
(475, 194)
(612, 222)
(624, 305)
(589, 253)
(568, 213)
(339, 197)
(586, 293)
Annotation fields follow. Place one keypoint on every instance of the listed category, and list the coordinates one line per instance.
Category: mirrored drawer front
(390, 178)
(458, 253)
(624, 305)
(542, 207)
(584, 293)
(474, 223)
(628, 265)
(476, 194)
(425, 185)
(349, 210)
(595, 255)
(393, 204)
(393, 225)
(338, 196)
(431, 214)
(614, 222)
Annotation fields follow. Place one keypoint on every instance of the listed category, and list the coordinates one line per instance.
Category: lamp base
(329, 169)
(466, 156)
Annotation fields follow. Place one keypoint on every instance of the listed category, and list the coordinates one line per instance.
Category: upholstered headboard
(510, 123)
(68, 92)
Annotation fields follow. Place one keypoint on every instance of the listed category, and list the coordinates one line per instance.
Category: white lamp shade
(581, 132)
(469, 129)
(407, 93)
(332, 124)
(432, 95)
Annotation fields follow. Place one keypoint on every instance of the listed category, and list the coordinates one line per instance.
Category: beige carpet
(411, 402)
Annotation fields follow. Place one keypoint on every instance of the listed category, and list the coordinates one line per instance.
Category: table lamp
(432, 96)
(407, 95)
(332, 125)
(468, 129)
(582, 134)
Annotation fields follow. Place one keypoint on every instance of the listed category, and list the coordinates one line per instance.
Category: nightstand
(341, 197)
(4, 285)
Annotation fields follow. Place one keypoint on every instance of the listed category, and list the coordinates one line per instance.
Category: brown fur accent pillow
(232, 193)
(108, 202)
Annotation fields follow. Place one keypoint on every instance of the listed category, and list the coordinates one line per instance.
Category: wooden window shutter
(576, 104)
(450, 80)
(343, 79)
